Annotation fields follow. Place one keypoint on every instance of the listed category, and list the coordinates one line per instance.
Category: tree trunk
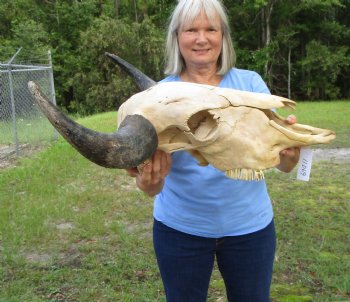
(267, 13)
(289, 71)
(135, 9)
(116, 8)
(263, 28)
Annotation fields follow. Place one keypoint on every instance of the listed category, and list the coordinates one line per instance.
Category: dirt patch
(334, 155)
(36, 258)
(71, 258)
(8, 156)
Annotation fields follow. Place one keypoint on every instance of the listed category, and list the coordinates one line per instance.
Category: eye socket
(202, 124)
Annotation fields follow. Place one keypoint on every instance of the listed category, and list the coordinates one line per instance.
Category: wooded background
(300, 47)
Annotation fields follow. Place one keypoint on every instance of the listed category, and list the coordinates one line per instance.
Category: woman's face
(200, 42)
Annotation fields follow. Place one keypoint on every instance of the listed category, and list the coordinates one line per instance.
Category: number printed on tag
(305, 163)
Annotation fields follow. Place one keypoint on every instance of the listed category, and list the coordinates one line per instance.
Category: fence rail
(22, 125)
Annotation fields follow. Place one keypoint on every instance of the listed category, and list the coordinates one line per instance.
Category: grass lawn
(73, 231)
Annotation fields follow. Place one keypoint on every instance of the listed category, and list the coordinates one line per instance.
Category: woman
(199, 213)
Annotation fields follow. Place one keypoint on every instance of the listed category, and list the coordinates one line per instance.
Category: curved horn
(143, 82)
(135, 141)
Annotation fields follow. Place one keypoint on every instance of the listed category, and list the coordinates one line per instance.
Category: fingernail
(147, 167)
(291, 119)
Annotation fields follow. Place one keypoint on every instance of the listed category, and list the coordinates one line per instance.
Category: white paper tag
(305, 163)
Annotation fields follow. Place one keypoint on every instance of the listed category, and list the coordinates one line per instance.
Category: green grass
(73, 231)
(33, 130)
(312, 222)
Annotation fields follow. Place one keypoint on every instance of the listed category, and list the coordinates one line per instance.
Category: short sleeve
(258, 84)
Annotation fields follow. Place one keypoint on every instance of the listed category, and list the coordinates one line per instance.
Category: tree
(272, 37)
(300, 47)
(317, 40)
(139, 43)
(321, 68)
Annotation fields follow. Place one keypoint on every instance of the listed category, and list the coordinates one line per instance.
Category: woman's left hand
(289, 157)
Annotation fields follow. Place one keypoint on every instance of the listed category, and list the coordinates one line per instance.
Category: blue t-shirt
(203, 201)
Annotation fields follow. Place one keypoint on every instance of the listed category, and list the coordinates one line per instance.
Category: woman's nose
(202, 37)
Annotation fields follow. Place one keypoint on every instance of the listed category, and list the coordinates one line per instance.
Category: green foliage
(314, 34)
(108, 87)
(321, 67)
(32, 35)
(18, 28)
(321, 4)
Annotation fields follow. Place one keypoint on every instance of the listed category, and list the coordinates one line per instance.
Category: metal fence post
(52, 86)
(13, 105)
(13, 112)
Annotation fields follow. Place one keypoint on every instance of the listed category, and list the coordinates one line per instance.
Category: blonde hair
(186, 12)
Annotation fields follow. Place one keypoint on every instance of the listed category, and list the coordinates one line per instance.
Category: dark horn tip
(108, 54)
(142, 81)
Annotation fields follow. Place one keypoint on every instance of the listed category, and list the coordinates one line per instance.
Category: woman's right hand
(150, 175)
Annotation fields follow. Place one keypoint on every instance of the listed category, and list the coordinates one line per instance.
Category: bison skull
(235, 131)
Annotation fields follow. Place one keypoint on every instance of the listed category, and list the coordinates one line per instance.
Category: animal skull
(235, 131)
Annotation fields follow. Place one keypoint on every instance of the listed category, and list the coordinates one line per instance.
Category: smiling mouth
(200, 50)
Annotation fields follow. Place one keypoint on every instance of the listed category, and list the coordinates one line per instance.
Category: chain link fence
(22, 126)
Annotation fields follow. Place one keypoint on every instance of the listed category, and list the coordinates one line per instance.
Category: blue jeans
(186, 263)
